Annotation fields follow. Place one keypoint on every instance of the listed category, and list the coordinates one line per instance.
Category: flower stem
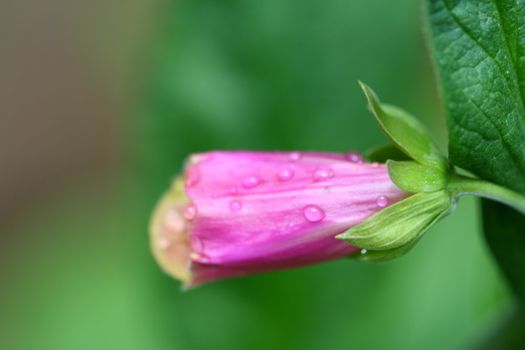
(461, 186)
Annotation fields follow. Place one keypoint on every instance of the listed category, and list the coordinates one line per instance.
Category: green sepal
(414, 177)
(399, 223)
(383, 153)
(383, 255)
(407, 133)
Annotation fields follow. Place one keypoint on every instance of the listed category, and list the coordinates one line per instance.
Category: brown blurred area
(65, 69)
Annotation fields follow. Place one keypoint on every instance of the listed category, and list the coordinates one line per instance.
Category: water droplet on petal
(382, 201)
(194, 256)
(199, 258)
(233, 190)
(285, 174)
(190, 212)
(354, 157)
(235, 205)
(295, 156)
(251, 182)
(313, 213)
(323, 174)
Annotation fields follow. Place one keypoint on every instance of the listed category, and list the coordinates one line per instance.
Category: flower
(238, 213)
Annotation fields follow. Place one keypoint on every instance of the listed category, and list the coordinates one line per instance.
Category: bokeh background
(101, 101)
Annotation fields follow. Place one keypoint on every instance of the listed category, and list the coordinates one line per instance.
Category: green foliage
(280, 75)
(400, 223)
(479, 48)
(405, 131)
(506, 238)
(504, 232)
(384, 255)
(508, 335)
(383, 153)
(247, 74)
(414, 177)
(414, 165)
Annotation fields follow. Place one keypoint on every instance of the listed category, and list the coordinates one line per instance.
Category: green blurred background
(101, 101)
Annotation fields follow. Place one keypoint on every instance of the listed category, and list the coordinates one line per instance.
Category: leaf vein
(504, 142)
(512, 56)
(472, 37)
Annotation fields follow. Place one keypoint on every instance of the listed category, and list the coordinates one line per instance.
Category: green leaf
(399, 223)
(405, 131)
(414, 177)
(509, 334)
(479, 48)
(505, 232)
(383, 153)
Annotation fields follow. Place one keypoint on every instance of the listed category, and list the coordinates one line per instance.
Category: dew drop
(199, 258)
(364, 251)
(295, 156)
(233, 190)
(235, 206)
(354, 157)
(190, 212)
(285, 174)
(382, 201)
(251, 182)
(194, 256)
(313, 213)
(323, 174)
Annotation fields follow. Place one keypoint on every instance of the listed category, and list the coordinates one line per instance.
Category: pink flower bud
(238, 213)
